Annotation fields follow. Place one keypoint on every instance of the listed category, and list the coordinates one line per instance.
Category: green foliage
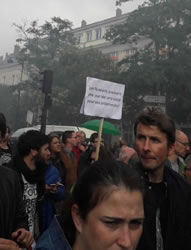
(163, 65)
(8, 102)
(70, 81)
(52, 46)
(42, 44)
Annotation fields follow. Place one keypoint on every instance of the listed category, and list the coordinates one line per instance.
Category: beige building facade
(11, 72)
(93, 35)
(88, 35)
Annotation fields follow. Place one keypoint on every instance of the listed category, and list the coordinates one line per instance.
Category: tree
(70, 81)
(51, 46)
(7, 103)
(163, 66)
(42, 44)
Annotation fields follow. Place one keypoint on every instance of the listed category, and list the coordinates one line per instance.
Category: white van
(52, 128)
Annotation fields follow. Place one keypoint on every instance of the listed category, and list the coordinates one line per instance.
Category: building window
(89, 36)
(131, 52)
(79, 39)
(98, 34)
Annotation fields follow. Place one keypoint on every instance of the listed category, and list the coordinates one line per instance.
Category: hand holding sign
(103, 99)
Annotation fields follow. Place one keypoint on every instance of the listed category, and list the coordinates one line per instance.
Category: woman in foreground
(107, 211)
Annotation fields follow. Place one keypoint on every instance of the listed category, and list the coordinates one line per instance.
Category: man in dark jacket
(85, 158)
(31, 164)
(5, 151)
(167, 224)
(13, 219)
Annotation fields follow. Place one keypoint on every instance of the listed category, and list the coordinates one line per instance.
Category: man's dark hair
(155, 117)
(32, 139)
(3, 126)
(93, 137)
(67, 134)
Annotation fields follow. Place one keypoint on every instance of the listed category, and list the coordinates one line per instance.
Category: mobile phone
(53, 185)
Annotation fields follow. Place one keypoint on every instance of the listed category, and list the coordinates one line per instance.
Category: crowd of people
(56, 195)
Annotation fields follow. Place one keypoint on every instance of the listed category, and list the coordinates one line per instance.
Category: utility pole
(46, 89)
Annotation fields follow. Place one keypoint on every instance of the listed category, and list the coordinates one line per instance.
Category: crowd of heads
(108, 189)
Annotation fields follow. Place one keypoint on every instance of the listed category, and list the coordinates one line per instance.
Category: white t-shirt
(30, 200)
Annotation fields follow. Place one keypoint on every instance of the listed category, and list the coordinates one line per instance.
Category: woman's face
(114, 224)
(55, 145)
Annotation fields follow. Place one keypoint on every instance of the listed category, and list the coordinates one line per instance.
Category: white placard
(103, 99)
(29, 118)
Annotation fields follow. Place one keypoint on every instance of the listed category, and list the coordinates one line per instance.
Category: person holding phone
(54, 192)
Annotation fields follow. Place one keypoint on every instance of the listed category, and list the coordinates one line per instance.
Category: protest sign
(103, 99)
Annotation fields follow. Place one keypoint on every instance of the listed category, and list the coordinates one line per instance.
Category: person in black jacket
(5, 150)
(13, 219)
(167, 202)
(30, 164)
(85, 158)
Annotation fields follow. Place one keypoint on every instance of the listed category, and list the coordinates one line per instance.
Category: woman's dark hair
(53, 135)
(155, 117)
(55, 156)
(98, 180)
(96, 184)
(93, 137)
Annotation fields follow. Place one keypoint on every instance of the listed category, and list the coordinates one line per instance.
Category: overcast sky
(19, 11)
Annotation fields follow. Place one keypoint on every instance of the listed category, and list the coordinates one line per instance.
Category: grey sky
(18, 11)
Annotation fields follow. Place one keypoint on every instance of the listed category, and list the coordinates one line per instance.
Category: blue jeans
(53, 238)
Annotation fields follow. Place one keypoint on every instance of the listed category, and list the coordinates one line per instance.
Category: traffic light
(49, 101)
(47, 81)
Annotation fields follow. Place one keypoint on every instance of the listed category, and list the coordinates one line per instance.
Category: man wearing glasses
(182, 148)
